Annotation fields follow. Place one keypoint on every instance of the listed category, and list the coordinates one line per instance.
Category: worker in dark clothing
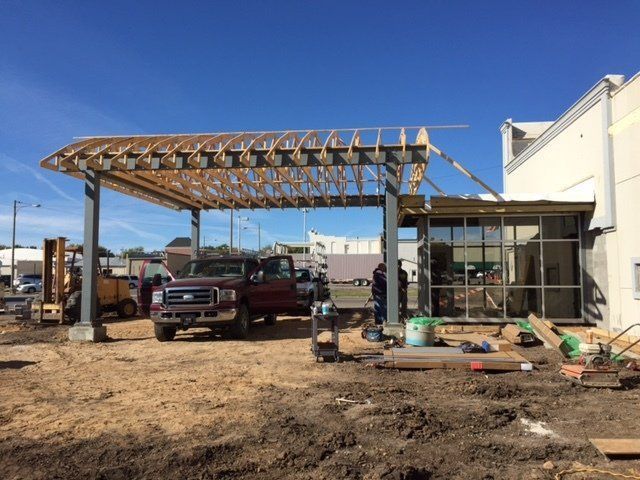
(379, 292)
(403, 287)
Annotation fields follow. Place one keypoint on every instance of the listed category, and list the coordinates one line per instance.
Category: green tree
(130, 252)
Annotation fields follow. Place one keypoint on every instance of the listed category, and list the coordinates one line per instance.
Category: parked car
(24, 278)
(132, 279)
(30, 287)
(221, 293)
(307, 286)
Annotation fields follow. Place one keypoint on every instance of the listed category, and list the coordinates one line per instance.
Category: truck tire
(365, 282)
(127, 308)
(164, 334)
(356, 282)
(270, 319)
(240, 328)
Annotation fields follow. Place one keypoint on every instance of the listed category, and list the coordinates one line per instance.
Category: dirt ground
(204, 407)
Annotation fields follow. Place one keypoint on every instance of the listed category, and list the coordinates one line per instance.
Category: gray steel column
(88, 311)
(391, 224)
(384, 234)
(195, 233)
(423, 266)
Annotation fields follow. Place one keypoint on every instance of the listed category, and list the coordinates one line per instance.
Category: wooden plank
(495, 344)
(612, 447)
(422, 364)
(544, 333)
(485, 329)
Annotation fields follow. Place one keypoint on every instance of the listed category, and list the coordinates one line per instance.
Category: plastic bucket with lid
(420, 331)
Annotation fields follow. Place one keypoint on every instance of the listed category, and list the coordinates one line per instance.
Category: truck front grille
(190, 296)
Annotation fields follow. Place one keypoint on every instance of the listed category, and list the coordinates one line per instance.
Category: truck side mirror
(258, 277)
(157, 280)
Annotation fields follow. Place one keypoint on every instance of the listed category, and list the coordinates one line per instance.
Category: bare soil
(208, 408)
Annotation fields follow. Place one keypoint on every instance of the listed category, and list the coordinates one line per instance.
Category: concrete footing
(87, 333)
(394, 330)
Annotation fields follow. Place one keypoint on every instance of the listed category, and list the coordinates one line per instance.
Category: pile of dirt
(201, 407)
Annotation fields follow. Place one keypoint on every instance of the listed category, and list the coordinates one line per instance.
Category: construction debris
(548, 336)
(489, 344)
(617, 447)
(517, 335)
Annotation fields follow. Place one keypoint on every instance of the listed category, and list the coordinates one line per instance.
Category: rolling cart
(327, 351)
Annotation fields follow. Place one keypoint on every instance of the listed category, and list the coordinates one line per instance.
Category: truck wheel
(240, 328)
(164, 334)
(127, 308)
(356, 283)
(365, 282)
(270, 319)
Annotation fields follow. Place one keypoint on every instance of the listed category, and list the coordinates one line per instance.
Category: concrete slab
(87, 333)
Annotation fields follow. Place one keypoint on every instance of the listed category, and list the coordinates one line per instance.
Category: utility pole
(231, 232)
(17, 204)
(259, 244)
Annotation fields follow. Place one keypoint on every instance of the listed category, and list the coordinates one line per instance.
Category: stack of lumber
(443, 357)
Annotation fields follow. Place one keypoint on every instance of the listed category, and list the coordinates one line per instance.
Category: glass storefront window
(483, 229)
(484, 264)
(561, 265)
(448, 302)
(521, 228)
(523, 301)
(505, 266)
(446, 229)
(447, 264)
(522, 263)
(486, 302)
(560, 227)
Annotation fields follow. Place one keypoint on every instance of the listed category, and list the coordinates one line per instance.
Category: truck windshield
(213, 268)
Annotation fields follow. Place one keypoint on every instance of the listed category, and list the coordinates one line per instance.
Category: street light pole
(259, 243)
(240, 219)
(304, 234)
(16, 207)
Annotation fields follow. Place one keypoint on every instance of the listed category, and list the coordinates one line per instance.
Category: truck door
(153, 275)
(277, 294)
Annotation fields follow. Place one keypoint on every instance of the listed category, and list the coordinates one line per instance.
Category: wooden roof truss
(312, 168)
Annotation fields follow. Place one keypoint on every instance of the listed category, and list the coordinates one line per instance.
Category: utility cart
(323, 322)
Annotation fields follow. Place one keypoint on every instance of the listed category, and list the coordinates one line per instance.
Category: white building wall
(346, 245)
(595, 146)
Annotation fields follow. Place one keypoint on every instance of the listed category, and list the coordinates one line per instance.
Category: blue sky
(92, 68)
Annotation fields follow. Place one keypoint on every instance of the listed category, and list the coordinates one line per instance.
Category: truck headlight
(156, 297)
(227, 295)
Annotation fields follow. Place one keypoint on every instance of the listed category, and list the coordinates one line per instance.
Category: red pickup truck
(219, 293)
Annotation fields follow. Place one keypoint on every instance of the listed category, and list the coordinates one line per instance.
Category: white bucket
(419, 335)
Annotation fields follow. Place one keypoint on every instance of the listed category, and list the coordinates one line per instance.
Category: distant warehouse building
(590, 263)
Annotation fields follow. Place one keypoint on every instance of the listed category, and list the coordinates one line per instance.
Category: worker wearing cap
(403, 287)
(379, 293)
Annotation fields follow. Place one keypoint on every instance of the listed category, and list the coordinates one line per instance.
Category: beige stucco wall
(570, 159)
(624, 243)
(575, 157)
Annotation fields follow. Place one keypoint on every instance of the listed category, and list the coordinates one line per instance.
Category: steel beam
(195, 233)
(391, 224)
(423, 266)
(88, 311)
